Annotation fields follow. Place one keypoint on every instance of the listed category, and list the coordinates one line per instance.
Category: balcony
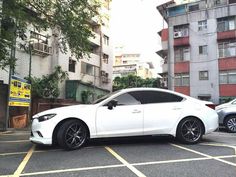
(41, 49)
(105, 79)
(224, 35)
(181, 67)
(95, 39)
(183, 89)
(227, 63)
(183, 41)
(227, 90)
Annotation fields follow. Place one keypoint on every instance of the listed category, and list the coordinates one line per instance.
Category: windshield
(105, 97)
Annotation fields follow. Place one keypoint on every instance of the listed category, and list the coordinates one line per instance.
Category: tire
(190, 130)
(72, 135)
(230, 123)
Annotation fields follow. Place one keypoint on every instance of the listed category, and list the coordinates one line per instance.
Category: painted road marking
(18, 153)
(17, 141)
(14, 134)
(72, 170)
(128, 165)
(202, 154)
(120, 165)
(220, 145)
(24, 162)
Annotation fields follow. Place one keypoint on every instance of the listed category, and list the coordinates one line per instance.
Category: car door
(125, 119)
(161, 111)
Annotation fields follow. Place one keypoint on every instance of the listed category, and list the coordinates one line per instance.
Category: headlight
(46, 117)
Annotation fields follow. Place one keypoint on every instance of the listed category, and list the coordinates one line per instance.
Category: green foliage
(86, 96)
(131, 81)
(71, 18)
(47, 86)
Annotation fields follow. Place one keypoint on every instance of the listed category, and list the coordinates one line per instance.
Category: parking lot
(146, 156)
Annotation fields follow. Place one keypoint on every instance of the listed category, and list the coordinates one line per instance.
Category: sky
(135, 25)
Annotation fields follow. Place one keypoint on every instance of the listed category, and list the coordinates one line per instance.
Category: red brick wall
(182, 67)
(228, 90)
(183, 89)
(227, 63)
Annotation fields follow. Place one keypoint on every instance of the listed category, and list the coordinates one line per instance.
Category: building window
(105, 58)
(202, 25)
(204, 97)
(182, 54)
(203, 50)
(203, 75)
(193, 7)
(227, 49)
(106, 40)
(180, 31)
(228, 77)
(232, 1)
(217, 2)
(89, 69)
(72, 65)
(182, 79)
(226, 23)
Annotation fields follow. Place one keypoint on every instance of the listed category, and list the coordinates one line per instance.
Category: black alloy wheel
(72, 135)
(190, 130)
(230, 123)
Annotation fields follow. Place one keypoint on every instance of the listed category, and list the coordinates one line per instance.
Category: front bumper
(41, 132)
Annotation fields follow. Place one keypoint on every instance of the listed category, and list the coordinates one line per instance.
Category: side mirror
(111, 104)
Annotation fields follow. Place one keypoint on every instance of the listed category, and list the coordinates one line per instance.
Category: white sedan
(128, 112)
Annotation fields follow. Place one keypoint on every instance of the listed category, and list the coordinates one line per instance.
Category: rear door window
(147, 97)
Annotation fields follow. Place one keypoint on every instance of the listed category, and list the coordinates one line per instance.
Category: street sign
(20, 92)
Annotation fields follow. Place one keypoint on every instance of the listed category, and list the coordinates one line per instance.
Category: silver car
(227, 115)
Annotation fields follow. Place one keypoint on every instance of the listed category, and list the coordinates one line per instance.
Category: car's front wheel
(190, 130)
(72, 134)
(230, 123)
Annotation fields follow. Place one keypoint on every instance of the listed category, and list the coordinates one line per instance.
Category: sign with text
(20, 92)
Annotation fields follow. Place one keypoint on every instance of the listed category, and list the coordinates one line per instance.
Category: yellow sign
(19, 92)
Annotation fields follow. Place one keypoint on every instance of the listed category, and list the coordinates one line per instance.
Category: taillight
(212, 106)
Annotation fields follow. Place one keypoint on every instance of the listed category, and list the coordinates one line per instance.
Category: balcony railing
(41, 49)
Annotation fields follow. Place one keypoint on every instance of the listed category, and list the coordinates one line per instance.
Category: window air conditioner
(177, 34)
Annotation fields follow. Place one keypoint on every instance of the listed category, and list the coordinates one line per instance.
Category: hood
(69, 109)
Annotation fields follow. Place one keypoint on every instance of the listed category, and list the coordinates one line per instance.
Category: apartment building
(126, 63)
(199, 48)
(92, 73)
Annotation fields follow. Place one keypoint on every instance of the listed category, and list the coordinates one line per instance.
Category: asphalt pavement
(140, 156)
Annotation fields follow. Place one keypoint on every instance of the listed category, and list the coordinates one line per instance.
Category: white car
(128, 112)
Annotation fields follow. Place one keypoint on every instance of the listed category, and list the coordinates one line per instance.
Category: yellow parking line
(24, 162)
(202, 154)
(120, 165)
(132, 168)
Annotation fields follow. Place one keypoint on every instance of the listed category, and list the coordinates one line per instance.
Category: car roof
(152, 89)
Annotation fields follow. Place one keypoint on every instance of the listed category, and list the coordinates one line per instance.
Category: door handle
(136, 111)
(176, 108)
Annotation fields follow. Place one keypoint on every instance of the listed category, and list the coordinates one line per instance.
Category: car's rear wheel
(72, 134)
(190, 130)
(230, 123)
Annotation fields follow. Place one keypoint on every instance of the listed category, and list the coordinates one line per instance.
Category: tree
(71, 18)
(47, 86)
(131, 81)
